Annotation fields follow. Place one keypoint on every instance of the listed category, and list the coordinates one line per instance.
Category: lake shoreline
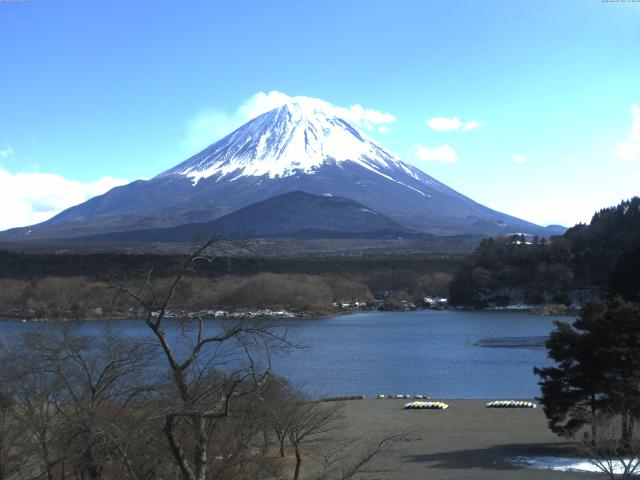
(262, 314)
(29, 315)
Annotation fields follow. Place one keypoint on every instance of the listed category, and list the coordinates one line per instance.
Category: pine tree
(597, 369)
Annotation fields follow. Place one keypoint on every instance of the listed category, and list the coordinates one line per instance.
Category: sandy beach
(465, 442)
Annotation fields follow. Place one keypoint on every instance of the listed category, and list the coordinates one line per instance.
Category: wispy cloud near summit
(212, 124)
(452, 124)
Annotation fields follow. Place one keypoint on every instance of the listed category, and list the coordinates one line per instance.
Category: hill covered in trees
(594, 260)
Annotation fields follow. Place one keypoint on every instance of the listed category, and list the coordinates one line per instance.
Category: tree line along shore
(78, 286)
(594, 261)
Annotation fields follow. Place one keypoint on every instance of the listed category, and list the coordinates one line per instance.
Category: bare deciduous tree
(204, 389)
(10, 434)
(194, 400)
(278, 401)
(345, 459)
(73, 392)
(308, 420)
(611, 451)
(36, 399)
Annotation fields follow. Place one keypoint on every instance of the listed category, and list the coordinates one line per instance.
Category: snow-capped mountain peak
(298, 137)
(305, 145)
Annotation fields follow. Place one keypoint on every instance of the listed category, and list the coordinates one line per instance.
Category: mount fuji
(300, 146)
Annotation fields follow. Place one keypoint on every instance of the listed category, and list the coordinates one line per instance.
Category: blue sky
(94, 94)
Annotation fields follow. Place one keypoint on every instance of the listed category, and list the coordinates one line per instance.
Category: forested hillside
(598, 259)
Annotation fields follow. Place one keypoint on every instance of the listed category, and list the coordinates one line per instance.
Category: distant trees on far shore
(588, 261)
(81, 298)
(62, 285)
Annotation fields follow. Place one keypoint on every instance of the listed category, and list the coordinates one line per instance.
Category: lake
(446, 354)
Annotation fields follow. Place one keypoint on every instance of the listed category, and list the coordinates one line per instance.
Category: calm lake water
(441, 353)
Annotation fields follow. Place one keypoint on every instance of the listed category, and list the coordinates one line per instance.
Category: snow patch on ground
(562, 464)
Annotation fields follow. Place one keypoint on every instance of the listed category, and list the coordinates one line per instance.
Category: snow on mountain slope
(303, 145)
(299, 137)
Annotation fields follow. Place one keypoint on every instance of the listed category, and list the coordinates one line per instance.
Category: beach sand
(465, 442)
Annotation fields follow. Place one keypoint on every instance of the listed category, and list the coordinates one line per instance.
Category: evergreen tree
(587, 258)
(597, 369)
(625, 278)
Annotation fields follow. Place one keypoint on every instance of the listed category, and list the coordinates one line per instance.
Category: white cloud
(572, 159)
(471, 125)
(367, 118)
(6, 153)
(260, 103)
(27, 198)
(207, 125)
(629, 149)
(445, 124)
(212, 124)
(444, 153)
(518, 158)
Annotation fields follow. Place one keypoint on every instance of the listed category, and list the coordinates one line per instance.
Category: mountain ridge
(290, 215)
(291, 148)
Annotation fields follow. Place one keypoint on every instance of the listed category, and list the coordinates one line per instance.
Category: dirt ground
(465, 442)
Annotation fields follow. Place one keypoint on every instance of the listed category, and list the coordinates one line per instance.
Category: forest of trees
(586, 262)
(107, 406)
(64, 285)
(190, 401)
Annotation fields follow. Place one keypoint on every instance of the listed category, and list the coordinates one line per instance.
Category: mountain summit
(300, 137)
(300, 146)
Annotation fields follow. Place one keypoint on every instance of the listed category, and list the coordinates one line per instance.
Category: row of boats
(426, 405)
(495, 404)
(511, 404)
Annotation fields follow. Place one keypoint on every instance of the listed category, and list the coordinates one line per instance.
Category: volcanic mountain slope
(293, 214)
(300, 146)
